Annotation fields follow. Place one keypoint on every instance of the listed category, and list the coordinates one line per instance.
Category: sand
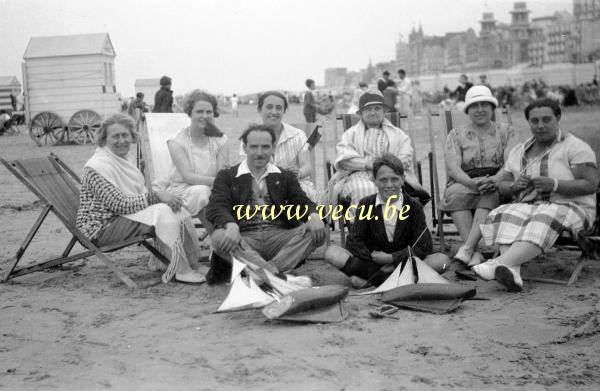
(79, 328)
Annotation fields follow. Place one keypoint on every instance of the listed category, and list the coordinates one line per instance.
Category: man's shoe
(486, 270)
(192, 277)
(509, 277)
(464, 254)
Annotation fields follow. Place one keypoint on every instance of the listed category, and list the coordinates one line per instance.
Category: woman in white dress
(198, 152)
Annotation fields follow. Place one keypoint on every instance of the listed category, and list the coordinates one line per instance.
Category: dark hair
(309, 82)
(363, 84)
(389, 160)
(544, 102)
(115, 119)
(165, 80)
(195, 96)
(257, 128)
(402, 71)
(264, 95)
(386, 73)
(139, 95)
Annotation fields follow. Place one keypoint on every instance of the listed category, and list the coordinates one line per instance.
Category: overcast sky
(242, 46)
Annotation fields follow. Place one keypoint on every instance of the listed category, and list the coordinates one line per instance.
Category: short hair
(257, 128)
(264, 95)
(192, 97)
(195, 96)
(363, 84)
(402, 71)
(389, 160)
(139, 95)
(165, 80)
(386, 73)
(544, 102)
(115, 119)
(309, 82)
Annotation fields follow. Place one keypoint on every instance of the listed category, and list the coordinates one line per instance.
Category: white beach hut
(69, 84)
(148, 87)
(8, 85)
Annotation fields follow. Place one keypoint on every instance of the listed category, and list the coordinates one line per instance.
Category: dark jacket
(367, 236)
(310, 107)
(163, 101)
(228, 191)
(461, 91)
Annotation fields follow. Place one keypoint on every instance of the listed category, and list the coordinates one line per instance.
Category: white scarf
(120, 172)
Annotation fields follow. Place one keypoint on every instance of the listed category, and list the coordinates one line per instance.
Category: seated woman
(291, 148)
(474, 155)
(198, 152)
(114, 204)
(361, 144)
(554, 179)
(377, 245)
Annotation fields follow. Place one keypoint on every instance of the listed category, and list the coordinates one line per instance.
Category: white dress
(206, 160)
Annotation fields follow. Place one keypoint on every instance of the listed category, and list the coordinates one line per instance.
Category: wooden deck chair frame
(349, 120)
(438, 216)
(57, 186)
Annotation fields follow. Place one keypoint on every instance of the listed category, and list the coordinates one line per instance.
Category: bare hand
(521, 183)
(294, 170)
(316, 228)
(174, 202)
(231, 239)
(543, 184)
(486, 185)
(381, 258)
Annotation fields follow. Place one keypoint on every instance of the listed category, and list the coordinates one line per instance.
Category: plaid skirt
(539, 224)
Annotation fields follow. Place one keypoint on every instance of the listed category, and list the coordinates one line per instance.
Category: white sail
(244, 294)
(425, 272)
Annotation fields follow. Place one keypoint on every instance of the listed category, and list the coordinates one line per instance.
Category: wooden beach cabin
(69, 86)
(148, 87)
(8, 85)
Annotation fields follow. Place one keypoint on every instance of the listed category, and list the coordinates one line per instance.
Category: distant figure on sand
(311, 107)
(385, 82)
(163, 100)
(234, 105)
(404, 92)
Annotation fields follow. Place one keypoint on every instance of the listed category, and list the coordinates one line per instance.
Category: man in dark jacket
(163, 100)
(259, 212)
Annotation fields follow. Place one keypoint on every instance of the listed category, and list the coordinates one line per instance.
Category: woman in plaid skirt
(553, 179)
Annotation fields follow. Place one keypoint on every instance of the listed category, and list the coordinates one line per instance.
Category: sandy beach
(78, 327)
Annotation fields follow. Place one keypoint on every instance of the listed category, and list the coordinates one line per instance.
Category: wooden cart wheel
(83, 126)
(46, 129)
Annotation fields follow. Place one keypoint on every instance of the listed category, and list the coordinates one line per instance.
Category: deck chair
(588, 242)
(439, 217)
(57, 186)
(349, 120)
(153, 153)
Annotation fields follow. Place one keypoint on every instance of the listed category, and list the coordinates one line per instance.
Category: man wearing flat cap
(360, 145)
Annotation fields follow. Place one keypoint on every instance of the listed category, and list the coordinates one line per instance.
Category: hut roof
(69, 45)
(9, 81)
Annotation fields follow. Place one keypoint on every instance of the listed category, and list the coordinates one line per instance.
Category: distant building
(9, 85)
(402, 54)
(587, 17)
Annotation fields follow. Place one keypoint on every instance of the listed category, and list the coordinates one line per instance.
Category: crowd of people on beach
(518, 197)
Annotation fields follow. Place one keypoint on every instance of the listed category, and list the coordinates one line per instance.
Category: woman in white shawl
(360, 145)
(115, 205)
